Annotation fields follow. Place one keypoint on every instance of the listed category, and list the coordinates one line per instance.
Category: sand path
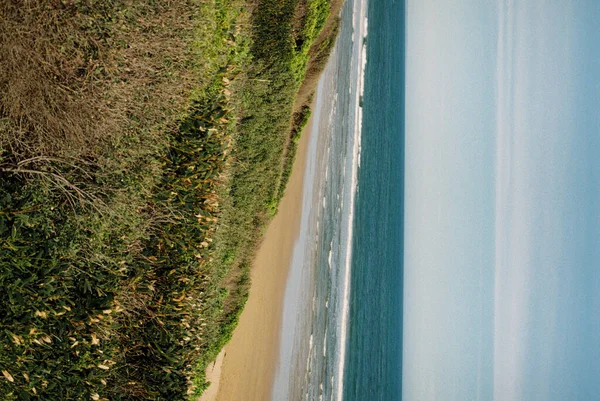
(245, 370)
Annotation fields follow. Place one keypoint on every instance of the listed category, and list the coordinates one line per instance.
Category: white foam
(362, 57)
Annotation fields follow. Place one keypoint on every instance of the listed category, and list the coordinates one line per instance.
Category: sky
(502, 200)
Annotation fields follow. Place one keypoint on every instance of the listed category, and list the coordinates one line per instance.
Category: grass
(142, 153)
(316, 36)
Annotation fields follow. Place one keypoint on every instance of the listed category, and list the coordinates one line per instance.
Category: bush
(141, 156)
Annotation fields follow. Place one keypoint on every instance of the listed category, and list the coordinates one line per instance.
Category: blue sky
(502, 262)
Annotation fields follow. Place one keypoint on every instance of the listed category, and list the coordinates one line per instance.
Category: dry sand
(247, 369)
(213, 375)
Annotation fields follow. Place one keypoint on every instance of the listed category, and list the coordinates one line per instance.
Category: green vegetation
(299, 121)
(142, 153)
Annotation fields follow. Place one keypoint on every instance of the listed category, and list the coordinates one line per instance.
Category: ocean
(373, 369)
(341, 336)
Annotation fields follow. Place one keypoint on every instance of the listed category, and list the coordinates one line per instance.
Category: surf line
(360, 13)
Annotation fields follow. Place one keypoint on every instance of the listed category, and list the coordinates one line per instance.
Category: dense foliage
(128, 227)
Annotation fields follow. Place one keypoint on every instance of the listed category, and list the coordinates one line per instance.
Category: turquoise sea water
(342, 325)
(374, 347)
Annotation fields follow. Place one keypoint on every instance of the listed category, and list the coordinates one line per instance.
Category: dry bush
(78, 74)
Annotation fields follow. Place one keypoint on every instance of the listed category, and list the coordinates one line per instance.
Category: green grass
(125, 256)
(300, 119)
(109, 290)
(312, 23)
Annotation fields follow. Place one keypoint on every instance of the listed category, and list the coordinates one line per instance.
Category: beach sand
(213, 375)
(248, 365)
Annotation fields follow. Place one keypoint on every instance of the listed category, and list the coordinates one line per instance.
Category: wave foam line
(361, 15)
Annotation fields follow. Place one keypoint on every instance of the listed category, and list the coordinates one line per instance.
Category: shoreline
(246, 370)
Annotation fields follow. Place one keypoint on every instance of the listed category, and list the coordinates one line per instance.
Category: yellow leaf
(16, 339)
(103, 367)
(8, 376)
(95, 340)
(95, 397)
(26, 376)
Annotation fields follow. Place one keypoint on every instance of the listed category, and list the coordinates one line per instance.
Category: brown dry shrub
(77, 74)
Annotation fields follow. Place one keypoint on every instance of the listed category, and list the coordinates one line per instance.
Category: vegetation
(142, 153)
(299, 121)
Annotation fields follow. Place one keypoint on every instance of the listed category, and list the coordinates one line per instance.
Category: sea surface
(373, 368)
(341, 336)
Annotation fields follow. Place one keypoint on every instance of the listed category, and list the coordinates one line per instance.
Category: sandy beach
(246, 368)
